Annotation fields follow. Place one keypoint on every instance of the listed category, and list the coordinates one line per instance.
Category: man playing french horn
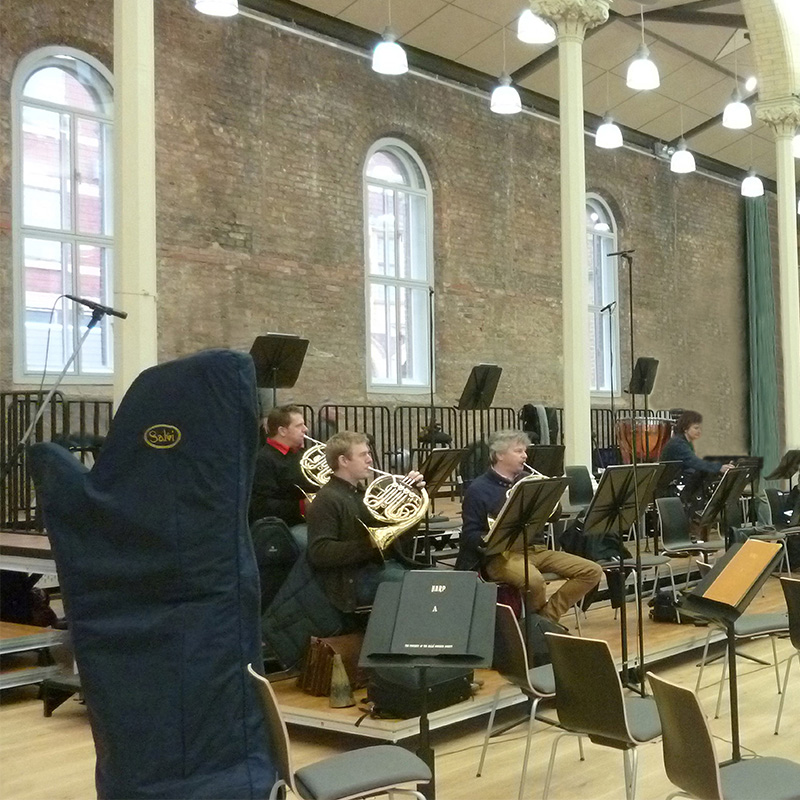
(482, 501)
(343, 555)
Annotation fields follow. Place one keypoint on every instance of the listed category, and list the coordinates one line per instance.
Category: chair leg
(796, 654)
(488, 733)
(626, 766)
(577, 619)
(703, 660)
(550, 765)
(580, 748)
(775, 662)
(674, 589)
(527, 748)
(634, 771)
(721, 684)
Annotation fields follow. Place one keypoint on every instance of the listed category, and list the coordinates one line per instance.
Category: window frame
(399, 148)
(600, 205)
(25, 68)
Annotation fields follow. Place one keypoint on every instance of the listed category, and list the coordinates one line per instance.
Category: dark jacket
(338, 542)
(678, 448)
(277, 486)
(483, 499)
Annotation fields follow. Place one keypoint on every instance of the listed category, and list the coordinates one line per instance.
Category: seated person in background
(342, 555)
(483, 499)
(278, 483)
(680, 447)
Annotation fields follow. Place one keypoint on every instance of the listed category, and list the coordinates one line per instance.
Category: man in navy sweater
(483, 499)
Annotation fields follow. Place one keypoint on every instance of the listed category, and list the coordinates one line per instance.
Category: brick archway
(775, 34)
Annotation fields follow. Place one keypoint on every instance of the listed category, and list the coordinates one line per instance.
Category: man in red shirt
(279, 482)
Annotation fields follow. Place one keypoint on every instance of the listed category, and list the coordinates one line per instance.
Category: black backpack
(276, 552)
(396, 693)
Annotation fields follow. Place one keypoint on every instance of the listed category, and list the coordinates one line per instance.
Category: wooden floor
(53, 759)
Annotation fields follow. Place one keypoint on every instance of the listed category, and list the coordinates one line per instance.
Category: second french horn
(391, 499)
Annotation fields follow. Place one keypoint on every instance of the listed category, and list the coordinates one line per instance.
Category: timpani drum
(652, 433)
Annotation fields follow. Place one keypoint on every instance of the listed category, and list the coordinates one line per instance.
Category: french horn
(391, 499)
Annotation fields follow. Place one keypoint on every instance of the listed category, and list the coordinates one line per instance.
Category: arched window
(62, 108)
(397, 200)
(601, 239)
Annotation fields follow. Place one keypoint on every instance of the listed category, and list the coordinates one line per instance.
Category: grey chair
(590, 701)
(747, 627)
(675, 538)
(511, 661)
(791, 591)
(369, 771)
(690, 759)
(579, 485)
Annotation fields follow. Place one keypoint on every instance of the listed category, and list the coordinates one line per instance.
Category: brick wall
(261, 139)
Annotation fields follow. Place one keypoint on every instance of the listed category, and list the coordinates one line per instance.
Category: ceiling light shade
(682, 160)
(752, 186)
(751, 83)
(736, 114)
(642, 72)
(388, 57)
(217, 8)
(505, 98)
(533, 29)
(608, 135)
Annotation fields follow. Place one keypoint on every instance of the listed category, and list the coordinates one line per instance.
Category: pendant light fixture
(532, 29)
(682, 160)
(736, 114)
(217, 8)
(608, 135)
(752, 185)
(642, 72)
(388, 57)
(505, 98)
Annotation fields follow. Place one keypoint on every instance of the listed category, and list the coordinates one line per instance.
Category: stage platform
(662, 641)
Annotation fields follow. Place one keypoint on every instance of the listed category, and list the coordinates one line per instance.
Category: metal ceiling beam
(696, 18)
(307, 18)
(699, 5)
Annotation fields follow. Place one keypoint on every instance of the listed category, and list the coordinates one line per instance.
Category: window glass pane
(47, 269)
(413, 343)
(94, 267)
(90, 176)
(383, 333)
(73, 83)
(412, 224)
(46, 169)
(385, 166)
(382, 234)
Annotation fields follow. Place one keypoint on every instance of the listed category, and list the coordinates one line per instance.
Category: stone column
(783, 116)
(572, 19)
(135, 195)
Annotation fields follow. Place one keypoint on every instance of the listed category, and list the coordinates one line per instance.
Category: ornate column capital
(782, 114)
(572, 17)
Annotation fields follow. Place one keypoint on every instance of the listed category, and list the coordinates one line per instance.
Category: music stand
(643, 378)
(480, 388)
(278, 358)
(547, 459)
(722, 596)
(729, 489)
(436, 469)
(434, 618)
(528, 506)
(623, 490)
(786, 469)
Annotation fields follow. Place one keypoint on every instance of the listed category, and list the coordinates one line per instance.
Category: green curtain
(764, 439)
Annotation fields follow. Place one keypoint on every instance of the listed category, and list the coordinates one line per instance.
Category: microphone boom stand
(97, 315)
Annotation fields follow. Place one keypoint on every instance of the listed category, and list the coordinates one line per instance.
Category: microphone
(621, 253)
(97, 307)
(608, 307)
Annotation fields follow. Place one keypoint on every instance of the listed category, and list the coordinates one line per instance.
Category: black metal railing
(79, 425)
